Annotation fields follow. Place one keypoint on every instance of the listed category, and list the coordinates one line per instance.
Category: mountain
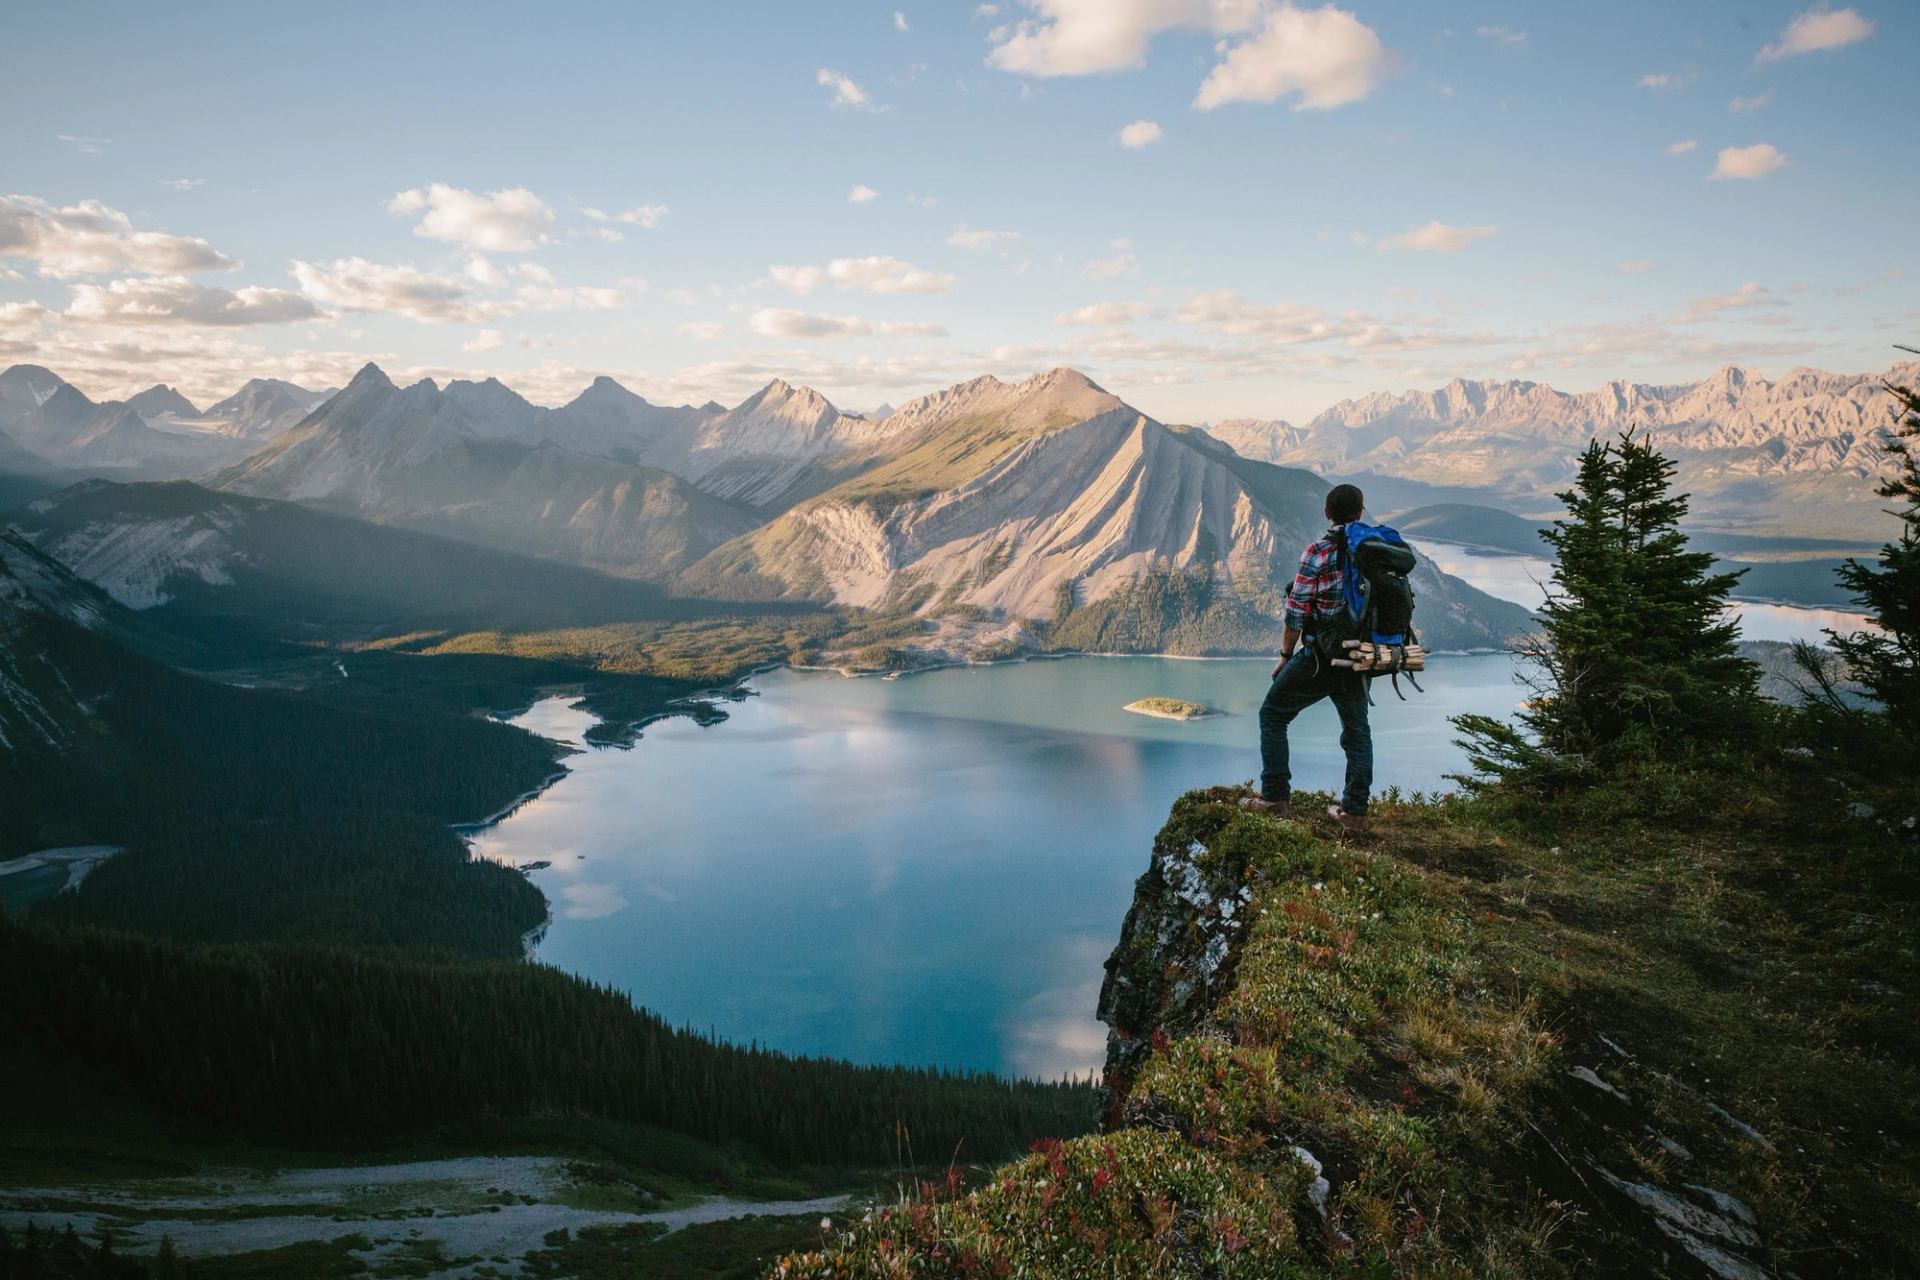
(608, 419)
(456, 462)
(1051, 502)
(1801, 451)
(264, 407)
(162, 401)
(66, 428)
(205, 561)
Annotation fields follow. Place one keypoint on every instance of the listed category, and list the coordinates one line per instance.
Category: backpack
(1375, 637)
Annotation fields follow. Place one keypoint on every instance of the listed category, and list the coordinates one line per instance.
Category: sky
(1215, 208)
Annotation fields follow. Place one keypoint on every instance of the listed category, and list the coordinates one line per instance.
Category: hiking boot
(1281, 810)
(1352, 822)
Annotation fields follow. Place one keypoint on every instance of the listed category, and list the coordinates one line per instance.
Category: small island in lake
(1170, 708)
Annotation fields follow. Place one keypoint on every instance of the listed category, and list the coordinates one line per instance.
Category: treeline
(365, 879)
(318, 1046)
(156, 748)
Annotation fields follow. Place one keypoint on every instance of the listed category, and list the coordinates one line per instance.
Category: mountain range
(1005, 515)
(1788, 455)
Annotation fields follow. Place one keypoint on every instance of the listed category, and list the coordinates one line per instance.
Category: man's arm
(1299, 596)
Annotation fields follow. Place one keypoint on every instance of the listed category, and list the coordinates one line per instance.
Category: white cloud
(183, 184)
(509, 221)
(485, 340)
(596, 215)
(90, 238)
(1121, 263)
(862, 193)
(1754, 103)
(355, 284)
(1102, 313)
(172, 300)
(780, 322)
(1088, 37)
(1141, 133)
(1505, 37)
(702, 330)
(1327, 57)
(650, 216)
(847, 93)
(870, 275)
(980, 239)
(1665, 80)
(1756, 161)
(683, 297)
(537, 297)
(1747, 296)
(1636, 267)
(85, 146)
(1436, 237)
(899, 21)
(986, 11)
(1815, 30)
(1679, 148)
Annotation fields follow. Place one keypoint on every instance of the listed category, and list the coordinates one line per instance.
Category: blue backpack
(1374, 636)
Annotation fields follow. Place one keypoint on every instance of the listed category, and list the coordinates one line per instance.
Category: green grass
(310, 1260)
(1409, 1007)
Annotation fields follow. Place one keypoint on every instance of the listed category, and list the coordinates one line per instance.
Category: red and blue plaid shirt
(1317, 587)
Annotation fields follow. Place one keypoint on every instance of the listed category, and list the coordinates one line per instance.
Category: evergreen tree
(1887, 663)
(1637, 656)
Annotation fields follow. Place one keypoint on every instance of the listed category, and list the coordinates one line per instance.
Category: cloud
(1636, 267)
(980, 239)
(899, 21)
(861, 194)
(1141, 133)
(1679, 148)
(1665, 80)
(534, 297)
(780, 322)
(847, 93)
(90, 238)
(355, 284)
(702, 330)
(1088, 37)
(85, 146)
(1756, 161)
(1816, 30)
(869, 275)
(485, 340)
(509, 221)
(1505, 37)
(986, 11)
(183, 184)
(650, 216)
(592, 901)
(1121, 263)
(1102, 313)
(1754, 103)
(1747, 296)
(166, 300)
(1436, 237)
(1326, 56)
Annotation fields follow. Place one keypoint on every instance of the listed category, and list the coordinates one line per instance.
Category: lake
(931, 870)
(928, 870)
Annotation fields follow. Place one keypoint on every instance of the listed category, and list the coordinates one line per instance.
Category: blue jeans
(1301, 683)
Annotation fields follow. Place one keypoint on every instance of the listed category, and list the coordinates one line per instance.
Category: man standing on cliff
(1301, 677)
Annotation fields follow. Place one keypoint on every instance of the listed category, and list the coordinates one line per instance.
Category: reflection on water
(929, 870)
(1524, 580)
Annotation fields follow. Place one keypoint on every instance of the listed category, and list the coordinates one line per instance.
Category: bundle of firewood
(1370, 658)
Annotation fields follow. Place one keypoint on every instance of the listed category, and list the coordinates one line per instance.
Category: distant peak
(1062, 376)
(370, 375)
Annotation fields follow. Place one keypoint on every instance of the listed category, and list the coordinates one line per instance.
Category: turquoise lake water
(928, 870)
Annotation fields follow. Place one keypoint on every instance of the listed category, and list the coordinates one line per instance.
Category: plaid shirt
(1317, 587)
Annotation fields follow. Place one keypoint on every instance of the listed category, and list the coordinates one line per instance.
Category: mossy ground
(1736, 964)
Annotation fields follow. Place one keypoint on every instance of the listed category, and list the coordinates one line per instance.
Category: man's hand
(1278, 666)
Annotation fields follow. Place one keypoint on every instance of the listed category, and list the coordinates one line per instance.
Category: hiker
(1302, 676)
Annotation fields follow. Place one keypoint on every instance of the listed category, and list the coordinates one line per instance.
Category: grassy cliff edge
(1476, 1043)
